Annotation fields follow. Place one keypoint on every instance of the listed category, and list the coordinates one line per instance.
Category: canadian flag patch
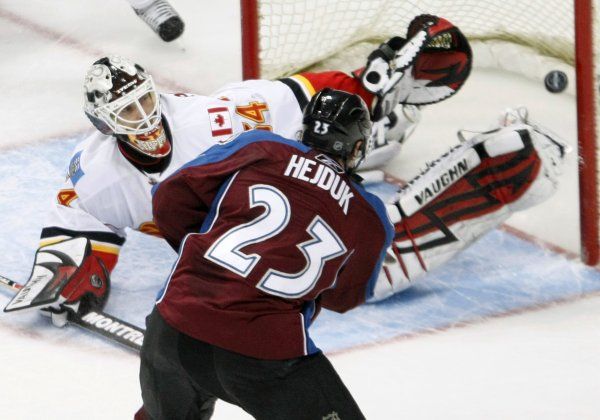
(220, 121)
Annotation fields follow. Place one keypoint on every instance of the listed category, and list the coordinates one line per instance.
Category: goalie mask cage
(280, 37)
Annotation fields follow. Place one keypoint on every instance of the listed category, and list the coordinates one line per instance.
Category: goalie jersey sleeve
(77, 211)
(264, 226)
(305, 85)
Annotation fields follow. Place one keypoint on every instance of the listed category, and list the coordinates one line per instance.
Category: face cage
(109, 113)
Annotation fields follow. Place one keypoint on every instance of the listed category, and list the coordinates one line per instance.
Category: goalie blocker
(66, 277)
(467, 192)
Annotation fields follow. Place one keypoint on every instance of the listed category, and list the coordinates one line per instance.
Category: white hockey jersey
(104, 193)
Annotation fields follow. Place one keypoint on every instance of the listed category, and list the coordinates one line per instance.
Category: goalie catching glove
(430, 65)
(66, 278)
(464, 194)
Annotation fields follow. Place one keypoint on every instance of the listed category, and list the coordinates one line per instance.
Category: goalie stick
(98, 322)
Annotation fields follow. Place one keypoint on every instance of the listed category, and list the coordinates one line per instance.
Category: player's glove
(67, 278)
(430, 65)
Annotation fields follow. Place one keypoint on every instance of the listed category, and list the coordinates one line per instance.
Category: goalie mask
(334, 122)
(120, 99)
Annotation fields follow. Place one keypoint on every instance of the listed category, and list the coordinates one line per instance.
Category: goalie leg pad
(505, 170)
(393, 277)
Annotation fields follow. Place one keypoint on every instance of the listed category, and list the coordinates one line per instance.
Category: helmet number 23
(321, 127)
(324, 245)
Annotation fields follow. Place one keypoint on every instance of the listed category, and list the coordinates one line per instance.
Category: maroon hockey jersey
(267, 231)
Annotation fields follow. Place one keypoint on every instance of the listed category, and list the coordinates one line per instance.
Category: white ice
(542, 364)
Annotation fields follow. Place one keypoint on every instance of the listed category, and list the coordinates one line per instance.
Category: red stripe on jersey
(218, 109)
(341, 81)
(222, 132)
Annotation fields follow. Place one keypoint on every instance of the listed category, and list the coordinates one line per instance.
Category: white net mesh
(296, 34)
(529, 38)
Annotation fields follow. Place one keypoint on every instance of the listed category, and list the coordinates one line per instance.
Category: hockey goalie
(143, 137)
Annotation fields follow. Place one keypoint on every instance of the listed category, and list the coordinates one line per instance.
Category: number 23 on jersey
(323, 246)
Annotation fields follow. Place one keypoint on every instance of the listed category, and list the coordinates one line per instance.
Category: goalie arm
(463, 195)
(428, 66)
(72, 265)
(401, 75)
(72, 216)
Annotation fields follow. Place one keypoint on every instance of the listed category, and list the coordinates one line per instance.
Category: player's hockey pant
(181, 378)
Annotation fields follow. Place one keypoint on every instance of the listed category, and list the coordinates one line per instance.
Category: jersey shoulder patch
(75, 172)
(95, 164)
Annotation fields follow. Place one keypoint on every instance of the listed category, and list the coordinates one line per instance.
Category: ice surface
(542, 363)
(499, 274)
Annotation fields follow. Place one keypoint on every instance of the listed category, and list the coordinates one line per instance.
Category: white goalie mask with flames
(121, 99)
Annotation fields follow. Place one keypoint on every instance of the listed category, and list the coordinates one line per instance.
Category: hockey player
(263, 226)
(144, 136)
(268, 231)
(160, 16)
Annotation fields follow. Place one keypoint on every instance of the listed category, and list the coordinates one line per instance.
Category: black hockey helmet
(334, 121)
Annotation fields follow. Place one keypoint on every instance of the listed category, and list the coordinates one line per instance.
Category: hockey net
(281, 37)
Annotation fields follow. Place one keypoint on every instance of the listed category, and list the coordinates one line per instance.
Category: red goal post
(280, 37)
(587, 100)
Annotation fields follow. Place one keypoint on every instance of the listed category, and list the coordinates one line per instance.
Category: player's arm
(357, 278)
(182, 203)
(71, 219)
(177, 208)
(354, 283)
(464, 194)
(429, 65)
(72, 265)
(82, 207)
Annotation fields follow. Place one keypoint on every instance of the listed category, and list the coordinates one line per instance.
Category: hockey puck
(556, 81)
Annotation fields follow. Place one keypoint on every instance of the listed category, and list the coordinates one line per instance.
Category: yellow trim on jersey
(53, 240)
(305, 84)
(96, 246)
(109, 249)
